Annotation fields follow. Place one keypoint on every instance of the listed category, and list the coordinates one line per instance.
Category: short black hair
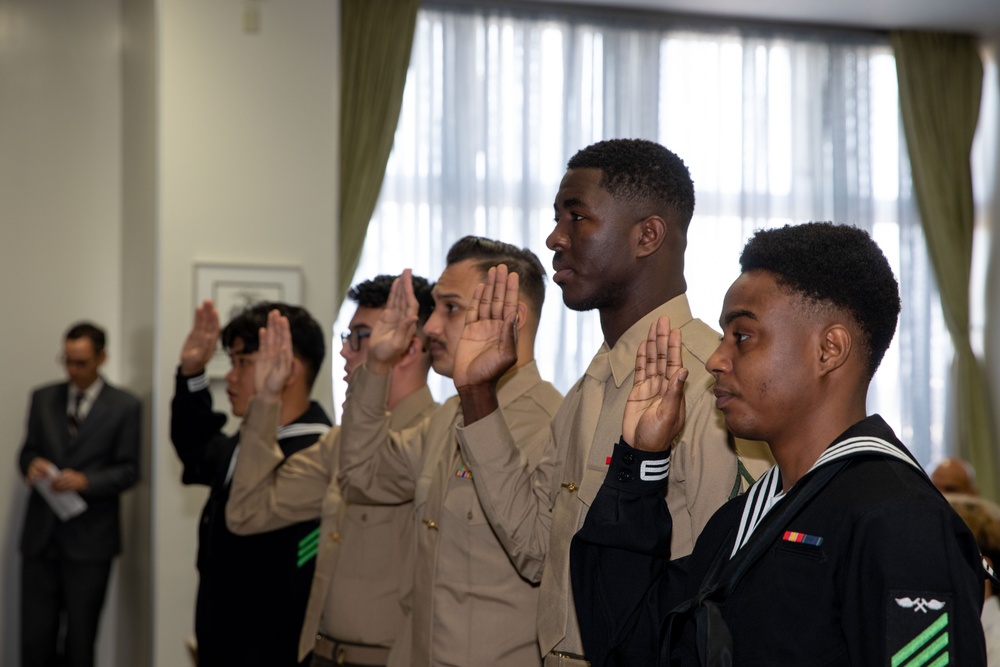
(642, 172)
(308, 340)
(374, 293)
(488, 253)
(88, 330)
(833, 264)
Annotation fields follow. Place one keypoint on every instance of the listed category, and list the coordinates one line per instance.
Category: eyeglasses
(354, 338)
(63, 360)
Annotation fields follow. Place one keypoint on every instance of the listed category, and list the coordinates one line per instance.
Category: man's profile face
(239, 379)
(591, 240)
(82, 365)
(764, 365)
(452, 293)
(359, 329)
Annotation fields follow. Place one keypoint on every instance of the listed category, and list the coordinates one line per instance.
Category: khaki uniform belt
(345, 653)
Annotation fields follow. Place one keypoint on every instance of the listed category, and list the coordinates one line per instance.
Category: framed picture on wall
(235, 287)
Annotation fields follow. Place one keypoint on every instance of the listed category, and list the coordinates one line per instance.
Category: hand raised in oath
(654, 413)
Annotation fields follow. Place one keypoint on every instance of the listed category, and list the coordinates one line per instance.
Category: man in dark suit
(252, 589)
(83, 437)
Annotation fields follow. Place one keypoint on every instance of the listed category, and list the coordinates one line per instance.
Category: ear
(298, 373)
(652, 234)
(522, 315)
(102, 357)
(835, 348)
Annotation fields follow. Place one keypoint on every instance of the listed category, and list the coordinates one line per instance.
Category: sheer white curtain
(776, 126)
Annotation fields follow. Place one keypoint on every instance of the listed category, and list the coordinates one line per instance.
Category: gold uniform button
(430, 524)
(570, 486)
(335, 536)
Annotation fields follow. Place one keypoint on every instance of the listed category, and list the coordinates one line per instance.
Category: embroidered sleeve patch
(654, 471)
(918, 629)
(308, 547)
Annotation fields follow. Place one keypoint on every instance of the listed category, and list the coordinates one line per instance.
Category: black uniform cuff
(637, 471)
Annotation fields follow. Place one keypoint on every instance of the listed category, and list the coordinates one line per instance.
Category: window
(776, 126)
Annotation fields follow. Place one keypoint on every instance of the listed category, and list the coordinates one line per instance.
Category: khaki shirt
(364, 560)
(539, 511)
(469, 605)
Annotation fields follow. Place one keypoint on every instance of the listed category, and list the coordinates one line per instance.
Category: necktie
(74, 416)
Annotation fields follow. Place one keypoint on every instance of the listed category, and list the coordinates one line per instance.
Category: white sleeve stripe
(197, 383)
(654, 471)
(301, 428)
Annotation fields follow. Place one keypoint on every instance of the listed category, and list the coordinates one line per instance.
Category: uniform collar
(622, 355)
(516, 382)
(407, 410)
(313, 421)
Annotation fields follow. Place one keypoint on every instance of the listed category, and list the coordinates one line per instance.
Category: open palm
(654, 412)
(488, 346)
(201, 341)
(396, 325)
(274, 363)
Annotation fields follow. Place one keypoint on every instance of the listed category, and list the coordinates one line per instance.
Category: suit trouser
(54, 590)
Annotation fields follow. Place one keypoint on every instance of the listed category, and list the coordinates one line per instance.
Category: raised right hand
(488, 347)
(395, 327)
(275, 358)
(201, 341)
(654, 413)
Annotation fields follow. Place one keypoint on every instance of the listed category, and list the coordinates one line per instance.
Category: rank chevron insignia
(308, 546)
(929, 648)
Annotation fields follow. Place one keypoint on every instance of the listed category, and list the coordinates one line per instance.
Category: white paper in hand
(66, 504)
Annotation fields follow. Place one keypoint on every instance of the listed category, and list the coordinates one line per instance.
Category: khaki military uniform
(470, 606)
(364, 559)
(538, 512)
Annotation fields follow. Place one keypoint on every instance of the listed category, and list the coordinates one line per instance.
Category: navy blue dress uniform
(862, 562)
(253, 589)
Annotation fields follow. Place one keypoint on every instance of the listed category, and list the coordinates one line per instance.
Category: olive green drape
(376, 39)
(940, 84)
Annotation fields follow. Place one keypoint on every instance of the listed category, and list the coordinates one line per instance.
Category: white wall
(60, 222)
(246, 175)
(136, 138)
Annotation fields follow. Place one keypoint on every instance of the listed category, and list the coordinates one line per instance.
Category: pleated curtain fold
(376, 39)
(940, 85)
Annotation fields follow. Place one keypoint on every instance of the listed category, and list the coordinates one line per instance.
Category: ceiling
(981, 17)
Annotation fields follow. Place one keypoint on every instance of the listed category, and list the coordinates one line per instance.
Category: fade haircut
(308, 341)
(374, 293)
(642, 173)
(834, 265)
(487, 253)
(91, 331)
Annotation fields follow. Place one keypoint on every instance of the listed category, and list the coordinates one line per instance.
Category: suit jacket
(106, 449)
